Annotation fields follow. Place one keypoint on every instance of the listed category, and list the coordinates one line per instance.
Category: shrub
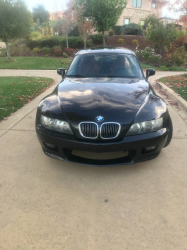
(33, 44)
(74, 32)
(151, 20)
(181, 41)
(74, 42)
(161, 36)
(58, 52)
(131, 29)
(69, 51)
(136, 43)
(16, 50)
(179, 57)
(65, 55)
(45, 50)
(97, 39)
(3, 52)
(55, 47)
(51, 42)
(89, 43)
(117, 30)
(120, 41)
(35, 35)
(148, 56)
(111, 32)
(36, 50)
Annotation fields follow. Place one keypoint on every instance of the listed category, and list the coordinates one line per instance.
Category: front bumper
(136, 146)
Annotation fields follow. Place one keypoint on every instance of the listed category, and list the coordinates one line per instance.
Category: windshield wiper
(76, 75)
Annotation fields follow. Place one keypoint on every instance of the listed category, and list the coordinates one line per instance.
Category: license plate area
(100, 156)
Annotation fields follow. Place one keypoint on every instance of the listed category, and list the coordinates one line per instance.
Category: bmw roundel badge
(99, 118)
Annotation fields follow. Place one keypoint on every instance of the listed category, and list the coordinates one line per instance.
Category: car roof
(106, 50)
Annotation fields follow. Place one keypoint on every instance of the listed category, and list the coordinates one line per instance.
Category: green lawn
(177, 83)
(163, 68)
(17, 91)
(34, 63)
(54, 63)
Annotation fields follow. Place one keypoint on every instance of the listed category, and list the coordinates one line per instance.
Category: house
(137, 10)
(56, 15)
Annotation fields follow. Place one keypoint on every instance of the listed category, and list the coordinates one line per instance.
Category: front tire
(170, 134)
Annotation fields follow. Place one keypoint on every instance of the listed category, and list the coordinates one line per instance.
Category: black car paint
(121, 100)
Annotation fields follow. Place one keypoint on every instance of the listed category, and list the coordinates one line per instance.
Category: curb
(174, 96)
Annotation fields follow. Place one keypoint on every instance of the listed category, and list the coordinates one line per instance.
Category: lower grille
(89, 130)
(110, 130)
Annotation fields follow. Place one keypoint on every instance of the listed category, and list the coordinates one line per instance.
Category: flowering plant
(69, 51)
(149, 56)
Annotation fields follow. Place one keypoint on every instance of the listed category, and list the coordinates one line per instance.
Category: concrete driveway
(46, 204)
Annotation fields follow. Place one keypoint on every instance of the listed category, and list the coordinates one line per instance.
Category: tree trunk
(84, 43)
(104, 42)
(67, 42)
(7, 50)
(12, 48)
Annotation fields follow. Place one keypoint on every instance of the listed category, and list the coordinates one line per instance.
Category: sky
(53, 5)
(50, 5)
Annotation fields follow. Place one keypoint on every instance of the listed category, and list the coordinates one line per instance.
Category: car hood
(119, 100)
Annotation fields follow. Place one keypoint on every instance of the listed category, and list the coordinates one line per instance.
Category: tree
(40, 13)
(15, 21)
(104, 13)
(85, 26)
(69, 20)
(179, 7)
(161, 36)
(65, 25)
(151, 19)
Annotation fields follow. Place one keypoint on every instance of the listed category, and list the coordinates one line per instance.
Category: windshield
(105, 65)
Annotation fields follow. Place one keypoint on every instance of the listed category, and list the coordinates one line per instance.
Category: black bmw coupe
(103, 112)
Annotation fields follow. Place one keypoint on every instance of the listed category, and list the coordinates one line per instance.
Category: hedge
(131, 29)
(74, 32)
(33, 44)
(98, 39)
(50, 43)
(117, 30)
(128, 29)
(74, 42)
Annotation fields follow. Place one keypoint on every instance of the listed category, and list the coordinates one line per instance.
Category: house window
(154, 5)
(127, 20)
(137, 3)
(142, 22)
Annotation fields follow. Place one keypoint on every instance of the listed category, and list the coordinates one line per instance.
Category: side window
(137, 3)
(127, 20)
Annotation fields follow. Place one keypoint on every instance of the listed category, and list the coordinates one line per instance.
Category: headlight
(54, 124)
(146, 127)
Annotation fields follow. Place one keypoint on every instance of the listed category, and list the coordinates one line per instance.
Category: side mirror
(61, 72)
(149, 72)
